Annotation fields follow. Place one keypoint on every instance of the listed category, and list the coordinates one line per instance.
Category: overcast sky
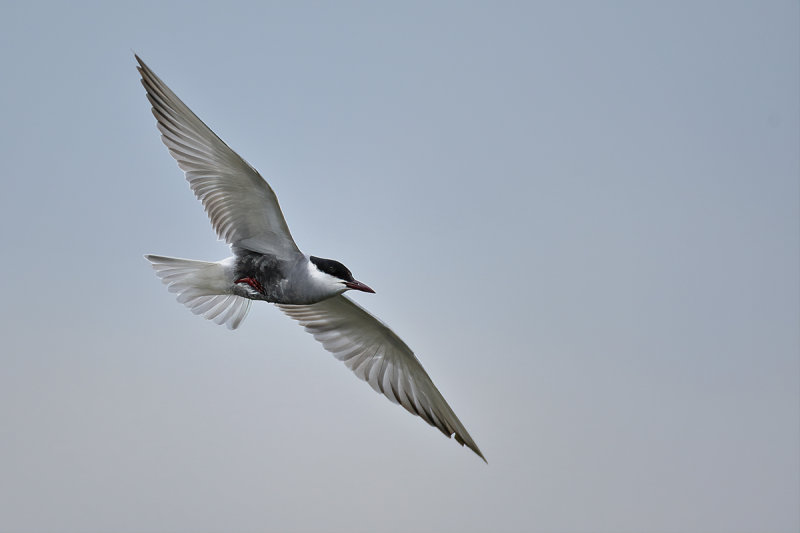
(582, 216)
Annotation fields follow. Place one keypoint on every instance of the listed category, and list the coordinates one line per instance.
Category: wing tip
(469, 443)
(472, 446)
(139, 60)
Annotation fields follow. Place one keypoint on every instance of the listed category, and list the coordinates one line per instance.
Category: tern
(267, 265)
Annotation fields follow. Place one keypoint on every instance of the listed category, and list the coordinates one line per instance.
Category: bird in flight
(267, 265)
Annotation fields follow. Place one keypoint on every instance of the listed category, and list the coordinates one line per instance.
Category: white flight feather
(379, 357)
(242, 206)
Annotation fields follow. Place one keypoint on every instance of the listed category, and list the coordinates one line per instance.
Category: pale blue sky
(583, 217)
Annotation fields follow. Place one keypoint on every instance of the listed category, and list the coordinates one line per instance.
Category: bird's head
(336, 274)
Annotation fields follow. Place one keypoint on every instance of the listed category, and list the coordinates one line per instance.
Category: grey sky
(583, 217)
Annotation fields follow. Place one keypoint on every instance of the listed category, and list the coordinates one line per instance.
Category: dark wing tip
(474, 448)
(471, 445)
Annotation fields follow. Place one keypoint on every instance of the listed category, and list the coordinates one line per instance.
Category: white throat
(321, 284)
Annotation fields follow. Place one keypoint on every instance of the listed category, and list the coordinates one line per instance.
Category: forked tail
(203, 287)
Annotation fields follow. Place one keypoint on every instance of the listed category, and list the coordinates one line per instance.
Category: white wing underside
(378, 356)
(243, 208)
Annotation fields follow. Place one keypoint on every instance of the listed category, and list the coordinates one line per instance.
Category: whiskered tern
(267, 265)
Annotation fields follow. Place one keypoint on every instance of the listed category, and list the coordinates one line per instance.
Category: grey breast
(270, 271)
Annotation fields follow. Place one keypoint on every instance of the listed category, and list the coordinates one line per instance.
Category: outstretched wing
(379, 357)
(241, 205)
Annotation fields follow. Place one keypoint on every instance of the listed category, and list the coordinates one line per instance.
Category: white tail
(203, 287)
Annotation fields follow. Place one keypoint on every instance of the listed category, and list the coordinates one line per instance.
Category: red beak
(357, 285)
